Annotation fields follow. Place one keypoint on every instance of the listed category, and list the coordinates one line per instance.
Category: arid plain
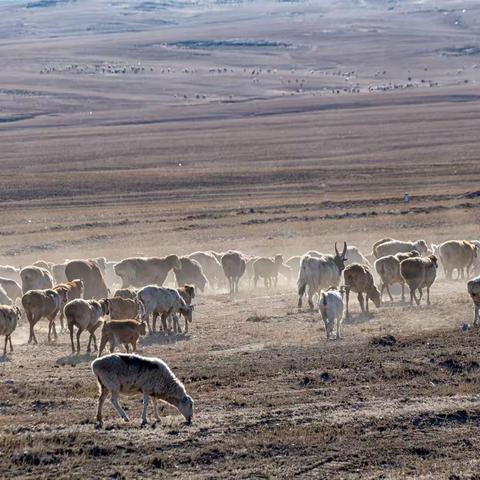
(152, 128)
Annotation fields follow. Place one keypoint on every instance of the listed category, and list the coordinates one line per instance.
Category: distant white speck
(179, 164)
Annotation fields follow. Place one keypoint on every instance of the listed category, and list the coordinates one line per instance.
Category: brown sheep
(419, 273)
(141, 271)
(43, 303)
(123, 308)
(457, 255)
(125, 332)
(359, 279)
(85, 315)
(89, 272)
(9, 317)
(190, 272)
(35, 278)
(73, 289)
(234, 265)
(267, 269)
(187, 292)
(126, 293)
(388, 268)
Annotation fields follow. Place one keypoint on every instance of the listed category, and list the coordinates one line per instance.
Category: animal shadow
(358, 319)
(74, 359)
(162, 339)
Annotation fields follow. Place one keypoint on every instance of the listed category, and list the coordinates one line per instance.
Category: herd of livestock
(131, 293)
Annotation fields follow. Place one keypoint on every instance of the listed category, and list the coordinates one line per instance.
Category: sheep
(359, 279)
(4, 298)
(73, 289)
(190, 272)
(85, 315)
(267, 269)
(129, 373)
(294, 264)
(392, 247)
(35, 278)
(355, 256)
(43, 303)
(320, 272)
(459, 255)
(187, 292)
(473, 288)
(140, 271)
(330, 306)
(388, 268)
(13, 273)
(58, 272)
(125, 332)
(211, 267)
(249, 261)
(164, 301)
(234, 266)
(90, 273)
(43, 264)
(123, 308)
(126, 293)
(419, 273)
(9, 317)
(12, 289)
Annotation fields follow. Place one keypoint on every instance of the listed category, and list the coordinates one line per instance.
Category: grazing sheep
(124, 332)
(9, 317)
(249, 261)
(126, 293)
(459, 255)
(234, 266)
(330, 306)
(161, 301)
(419, 273)
(388, 268)
(359, 279)
(211, 267)
(128, 373)
(320, 273)
(140, 271)
(473, 287)
(4, 298)
(35, 278)
(267, 269)
(392, 247)
(123, 308)
(190, 272)
(90, 273)
(85, 315)
(42, 303)
(11, 288)
(187, 292)
(73, 289)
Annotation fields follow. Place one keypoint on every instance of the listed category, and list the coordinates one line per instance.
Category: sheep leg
(126, 347)
(62, 325)
(403, 292)
(94, 338)
(276, 280)
(5, 346)
(117, 406)
(366, 303)
(103, 344)
(144, 411)
(186, 325)
(134, 345)
(476, 314)
(347, 297)
(255, 280)
(428, 295)
(339, 321)
(101, 401)
(32, 322)
(164, 322)
(70, 327)
(361, 301)
(155, 410)
(420, 296)
(10, 340)
(310, 294)
(79, 331)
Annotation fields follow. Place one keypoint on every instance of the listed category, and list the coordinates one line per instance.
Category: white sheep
(8, 323)
(130, 374)
(330, 306)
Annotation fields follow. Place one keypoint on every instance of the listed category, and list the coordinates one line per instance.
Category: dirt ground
(265, 157)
